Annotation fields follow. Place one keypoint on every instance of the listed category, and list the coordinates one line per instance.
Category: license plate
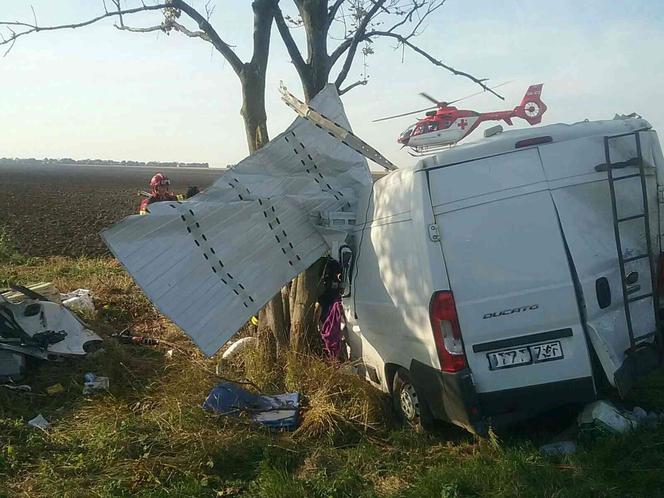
(525, 356)
(547, 352)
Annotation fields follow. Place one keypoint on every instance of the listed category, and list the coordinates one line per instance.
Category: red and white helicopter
(447, 125)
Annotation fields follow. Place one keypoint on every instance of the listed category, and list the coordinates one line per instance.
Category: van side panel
(394, 281)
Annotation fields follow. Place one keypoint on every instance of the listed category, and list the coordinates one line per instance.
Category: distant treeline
(8, 161)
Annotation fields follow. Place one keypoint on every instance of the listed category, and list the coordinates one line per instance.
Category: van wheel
(411, 409)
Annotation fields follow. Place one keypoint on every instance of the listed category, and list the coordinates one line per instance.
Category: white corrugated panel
(211, 262)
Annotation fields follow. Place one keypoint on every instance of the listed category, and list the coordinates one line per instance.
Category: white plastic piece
(211, 262)
(606, 416)
(238, 346)
(39, 422)
(80, 299)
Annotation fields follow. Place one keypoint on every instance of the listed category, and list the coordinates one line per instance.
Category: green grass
(149, 437)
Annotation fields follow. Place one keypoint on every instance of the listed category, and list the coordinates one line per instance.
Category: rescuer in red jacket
(159, 185)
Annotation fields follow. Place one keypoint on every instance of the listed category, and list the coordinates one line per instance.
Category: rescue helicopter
(445, 125)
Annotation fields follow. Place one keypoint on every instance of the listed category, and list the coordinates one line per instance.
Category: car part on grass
(279, 411)
(39, 328)
(238, 346)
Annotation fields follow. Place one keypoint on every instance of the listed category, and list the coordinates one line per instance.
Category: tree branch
(350, 87)
(212, 36)
(34, 28)
(357, 38)
(404, 41)
(287, 37)
(223, 47)
(332, 11)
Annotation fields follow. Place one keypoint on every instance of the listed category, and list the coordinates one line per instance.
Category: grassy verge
(149, 437)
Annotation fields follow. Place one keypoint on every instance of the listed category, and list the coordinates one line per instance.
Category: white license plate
(525, 356)
(546, 352)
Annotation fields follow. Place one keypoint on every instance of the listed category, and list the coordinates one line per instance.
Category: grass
(149, 437)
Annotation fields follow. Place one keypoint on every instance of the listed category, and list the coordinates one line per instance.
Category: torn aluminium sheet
(212, 261)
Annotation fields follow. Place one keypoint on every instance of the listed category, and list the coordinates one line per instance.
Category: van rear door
(509, 274)
(577, 174)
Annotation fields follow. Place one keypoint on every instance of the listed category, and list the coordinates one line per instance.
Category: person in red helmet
(159, 185)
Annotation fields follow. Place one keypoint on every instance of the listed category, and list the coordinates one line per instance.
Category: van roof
(505, 141)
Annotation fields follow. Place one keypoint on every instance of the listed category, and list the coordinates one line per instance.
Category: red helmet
(159, 179)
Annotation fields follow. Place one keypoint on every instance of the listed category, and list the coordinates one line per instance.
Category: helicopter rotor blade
(478, 93)
(404, 114)
(429, 97)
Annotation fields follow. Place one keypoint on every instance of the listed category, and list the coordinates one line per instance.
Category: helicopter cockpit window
(407, 132)
(429, 127)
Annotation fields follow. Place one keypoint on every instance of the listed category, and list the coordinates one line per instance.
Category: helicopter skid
(425, 150)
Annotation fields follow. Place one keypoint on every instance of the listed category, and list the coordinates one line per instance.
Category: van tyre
(411, 409)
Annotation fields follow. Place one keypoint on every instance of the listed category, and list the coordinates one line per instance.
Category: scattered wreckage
(33, 325)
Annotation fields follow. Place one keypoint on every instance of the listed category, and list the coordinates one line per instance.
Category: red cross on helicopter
(446, 125)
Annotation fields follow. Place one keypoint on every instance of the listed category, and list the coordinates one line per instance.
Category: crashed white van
(505, 277)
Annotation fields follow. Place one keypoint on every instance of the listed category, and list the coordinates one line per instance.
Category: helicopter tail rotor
(531, 107)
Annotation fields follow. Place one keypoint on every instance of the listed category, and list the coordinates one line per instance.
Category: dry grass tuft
(337, 402)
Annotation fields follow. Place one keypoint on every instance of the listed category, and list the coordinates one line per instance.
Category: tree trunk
(314, 18)
(304, 326)
(255, 124)
(252, 78)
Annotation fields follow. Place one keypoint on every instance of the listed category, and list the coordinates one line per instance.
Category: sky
(97, 92)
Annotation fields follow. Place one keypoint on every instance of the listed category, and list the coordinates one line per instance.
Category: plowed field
(60, 210)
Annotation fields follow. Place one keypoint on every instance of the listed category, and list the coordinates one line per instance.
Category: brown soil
(60, 210)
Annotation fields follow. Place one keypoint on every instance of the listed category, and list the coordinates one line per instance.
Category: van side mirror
(346, 261)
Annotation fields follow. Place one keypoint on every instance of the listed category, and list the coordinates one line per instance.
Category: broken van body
(511, 275)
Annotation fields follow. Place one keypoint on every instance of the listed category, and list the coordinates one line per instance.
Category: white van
(512, 275)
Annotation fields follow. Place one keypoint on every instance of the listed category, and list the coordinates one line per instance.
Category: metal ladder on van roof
(644, 216)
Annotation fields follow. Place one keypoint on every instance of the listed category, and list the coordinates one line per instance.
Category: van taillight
(446, 332)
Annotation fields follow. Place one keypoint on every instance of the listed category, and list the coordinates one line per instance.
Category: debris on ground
(280, 411)
(38, 327)
(558, 448)
(44, 289)
(94, 384)
(78, 300)
(17, 387)
(55, 389)
(126, 337)
(603, 416)
(39, 422)
(238, 346)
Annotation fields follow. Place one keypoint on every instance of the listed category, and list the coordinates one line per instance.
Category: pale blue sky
(100, 92)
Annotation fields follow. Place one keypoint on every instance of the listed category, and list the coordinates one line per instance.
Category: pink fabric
(331, 330)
